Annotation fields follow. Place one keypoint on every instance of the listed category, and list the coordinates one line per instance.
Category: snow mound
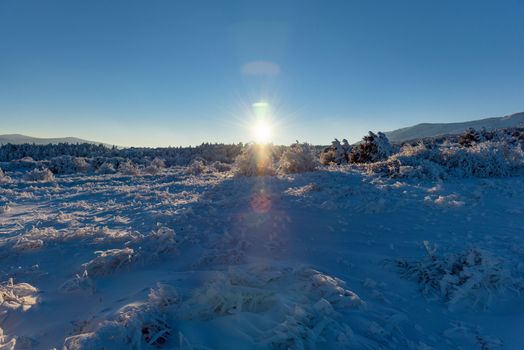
(473, 277)
(303, 304)
(148, 325)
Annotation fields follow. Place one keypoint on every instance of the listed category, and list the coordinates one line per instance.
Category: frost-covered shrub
(68, 165)
(474, 276)
(419, 161)
(328, 156)
(3, 177)
(221, 167)
(469, 138)
(43, 175)
(255, 160)
(484, 159)
(128, 168)
(109, 261)
(372, 148)
(158, 242)
(196, 167)
(136, 326)
(156, 166)
(106, 168)
(298, 158)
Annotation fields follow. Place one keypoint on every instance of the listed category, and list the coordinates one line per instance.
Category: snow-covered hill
(18, 139)
(438, 129)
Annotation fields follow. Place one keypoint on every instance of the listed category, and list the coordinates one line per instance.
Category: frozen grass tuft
(474, 277)
(15, 296)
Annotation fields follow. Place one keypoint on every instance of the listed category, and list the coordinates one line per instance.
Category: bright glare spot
(261, 127)
(261, 132)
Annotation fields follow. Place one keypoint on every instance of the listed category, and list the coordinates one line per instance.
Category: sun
(261, 127)
(261, 131)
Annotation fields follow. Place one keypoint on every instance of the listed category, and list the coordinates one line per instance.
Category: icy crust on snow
(206, 259)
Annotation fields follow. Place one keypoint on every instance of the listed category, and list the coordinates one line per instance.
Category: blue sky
(158, 73)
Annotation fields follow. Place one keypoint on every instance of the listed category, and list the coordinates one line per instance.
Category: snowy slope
(437, 129)
(213, 261)
(17, 139)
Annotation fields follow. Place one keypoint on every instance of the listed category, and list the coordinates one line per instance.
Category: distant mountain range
(438, 129)
(400, 135)
(17, 139)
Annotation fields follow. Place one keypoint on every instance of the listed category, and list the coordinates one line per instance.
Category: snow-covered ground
(331, 259)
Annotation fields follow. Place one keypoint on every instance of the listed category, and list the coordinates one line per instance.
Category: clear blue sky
(184, 72)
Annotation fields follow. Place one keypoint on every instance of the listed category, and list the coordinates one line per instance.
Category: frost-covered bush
(68, 165)
(106, 168)
(128, 168)
(469, 138)
(3, 177)
(156, 166)
(136, 326)
(109, 261)
(221, 167)
(255, 160)
(372, 148)
(298, 158)
(158, 242)
(484, 159)
(196, 167)
(43, 175)
(473, 276)
(328, 155)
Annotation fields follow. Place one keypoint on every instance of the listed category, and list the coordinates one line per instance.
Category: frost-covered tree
(469, 138)
(373, 148)
(336, 153)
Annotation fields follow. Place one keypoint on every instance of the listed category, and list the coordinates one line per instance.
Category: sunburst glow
(261, 132)
(261, 129)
